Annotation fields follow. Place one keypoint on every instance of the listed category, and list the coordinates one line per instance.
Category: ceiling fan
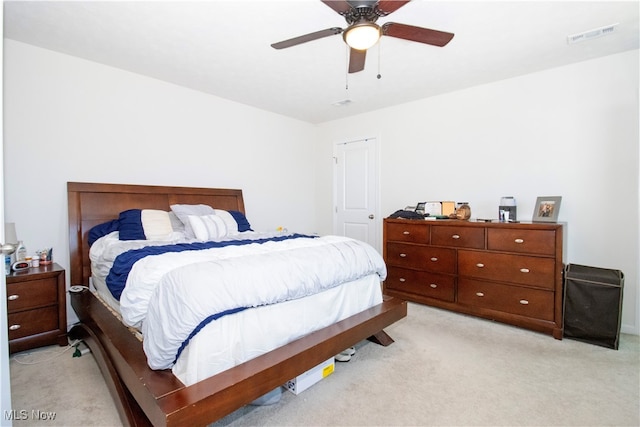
(363, 32)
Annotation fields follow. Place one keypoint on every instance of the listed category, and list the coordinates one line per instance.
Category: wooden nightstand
(37, 308)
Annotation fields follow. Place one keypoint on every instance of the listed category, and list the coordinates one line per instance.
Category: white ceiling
(223, 47)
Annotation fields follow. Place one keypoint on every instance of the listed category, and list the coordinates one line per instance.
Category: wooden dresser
(508, 272)
(37, 308)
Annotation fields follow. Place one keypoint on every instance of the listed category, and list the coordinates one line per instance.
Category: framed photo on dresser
(547, 209)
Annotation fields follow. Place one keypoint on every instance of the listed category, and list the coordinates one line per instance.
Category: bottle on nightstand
(21, 251)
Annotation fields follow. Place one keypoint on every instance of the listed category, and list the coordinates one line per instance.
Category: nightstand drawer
(35, 293)
(37, 309)
(30, 322)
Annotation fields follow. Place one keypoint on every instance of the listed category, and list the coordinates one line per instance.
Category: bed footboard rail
(148, 397)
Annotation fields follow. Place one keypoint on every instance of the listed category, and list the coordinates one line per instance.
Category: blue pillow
(131, 225)
(103, 229)
(243, 223)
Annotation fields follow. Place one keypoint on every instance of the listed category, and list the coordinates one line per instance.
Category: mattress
(236, 338)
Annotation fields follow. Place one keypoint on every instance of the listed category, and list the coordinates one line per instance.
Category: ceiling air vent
(342, 103)
(591, 34)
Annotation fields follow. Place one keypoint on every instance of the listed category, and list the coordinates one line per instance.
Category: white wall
(570, 131)
(67, 119)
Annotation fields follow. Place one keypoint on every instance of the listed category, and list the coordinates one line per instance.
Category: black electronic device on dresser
(36, 307)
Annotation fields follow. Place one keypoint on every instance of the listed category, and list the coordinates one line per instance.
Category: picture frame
(547, 209)
(433, 208)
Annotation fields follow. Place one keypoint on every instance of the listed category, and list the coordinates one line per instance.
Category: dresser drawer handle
(519, 240)
(14, 327)
(524, 302)
(455, 236)
(406, 233)
(402, 279)
(480, 294)
(13, 297)
(433, 285)
(524, 270)
(480, 265)
(434, 259)
(403, 255)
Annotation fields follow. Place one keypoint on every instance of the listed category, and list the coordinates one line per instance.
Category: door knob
(371, 216)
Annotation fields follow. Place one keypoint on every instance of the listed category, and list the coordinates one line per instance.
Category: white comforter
(170, 295)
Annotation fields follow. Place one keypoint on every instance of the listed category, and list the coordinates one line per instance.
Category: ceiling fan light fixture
(362, 35)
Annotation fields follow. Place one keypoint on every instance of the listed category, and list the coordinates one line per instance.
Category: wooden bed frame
(147, 397)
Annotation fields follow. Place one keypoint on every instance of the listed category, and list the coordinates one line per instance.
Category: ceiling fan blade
(417, 34)
(340, 6)
(389, 6)
(356, 60)
(307, 38)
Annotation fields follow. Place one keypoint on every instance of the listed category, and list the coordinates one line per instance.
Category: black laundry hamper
(593, 304)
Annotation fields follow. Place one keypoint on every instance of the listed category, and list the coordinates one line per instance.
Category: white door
(356, 191)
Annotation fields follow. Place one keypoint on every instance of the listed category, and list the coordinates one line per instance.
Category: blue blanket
(117, 277)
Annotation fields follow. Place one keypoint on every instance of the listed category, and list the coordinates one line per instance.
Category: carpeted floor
(444, 369)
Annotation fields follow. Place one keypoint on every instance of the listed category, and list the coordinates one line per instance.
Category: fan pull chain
(346, 71)
(379, 76)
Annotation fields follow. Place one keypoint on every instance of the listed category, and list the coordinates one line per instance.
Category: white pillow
(156, 224)
(229, 220)
(207, 227)
(176, 224)
(183, 212)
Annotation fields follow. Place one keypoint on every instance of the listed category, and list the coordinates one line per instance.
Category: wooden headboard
(91, 204)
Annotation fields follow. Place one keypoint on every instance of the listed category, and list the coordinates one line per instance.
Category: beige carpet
(444, 369)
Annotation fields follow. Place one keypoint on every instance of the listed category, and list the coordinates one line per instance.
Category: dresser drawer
(526, 270)
(533, 303)
(30, 322)
(459, 237)
(35, 293)
(408, 232)
(422, 283)
(540, 242)
(435, 260)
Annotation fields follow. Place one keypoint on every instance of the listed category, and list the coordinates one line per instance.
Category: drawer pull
(524, 302)
(519, 240)
(14, 327)
(403, 255)
(402, 279)
(434, 259)
(406, 233)
(524, 270)
(480, 294)
(13, 297)
(455, 236)
(480, 265)
(433, 285)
